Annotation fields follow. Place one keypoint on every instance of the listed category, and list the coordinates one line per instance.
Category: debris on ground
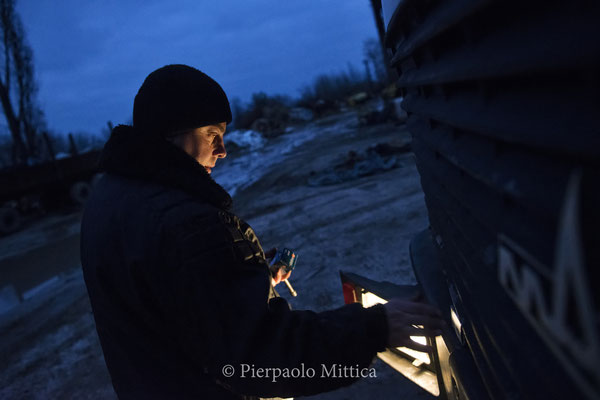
(378, 158)
(301, 114)
(381, 110)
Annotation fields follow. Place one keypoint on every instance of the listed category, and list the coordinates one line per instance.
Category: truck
(503, 105)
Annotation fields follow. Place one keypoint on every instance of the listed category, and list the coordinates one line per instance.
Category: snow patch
(246, 139)
(40, 288)
(246, 168)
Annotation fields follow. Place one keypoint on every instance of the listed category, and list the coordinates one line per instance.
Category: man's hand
(402, 315)
(279, 273)
(280, 276)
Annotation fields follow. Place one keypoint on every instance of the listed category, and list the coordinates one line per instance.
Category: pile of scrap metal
(34, 189)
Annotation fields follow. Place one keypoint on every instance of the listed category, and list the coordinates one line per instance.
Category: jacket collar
(131, 154)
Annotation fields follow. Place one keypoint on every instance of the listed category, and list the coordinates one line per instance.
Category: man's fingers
(414, 331)
(281, 275)
(403, 319)
(402, 337)
(425, 320)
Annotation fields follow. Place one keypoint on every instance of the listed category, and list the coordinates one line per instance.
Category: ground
(364, 225)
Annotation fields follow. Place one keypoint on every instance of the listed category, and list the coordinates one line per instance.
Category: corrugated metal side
(504, 108)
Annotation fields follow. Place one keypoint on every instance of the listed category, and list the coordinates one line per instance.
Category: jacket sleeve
(222, 316)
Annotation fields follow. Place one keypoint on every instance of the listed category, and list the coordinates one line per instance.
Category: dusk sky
(92, 56)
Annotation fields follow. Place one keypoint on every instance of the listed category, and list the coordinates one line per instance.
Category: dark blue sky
(92, 56)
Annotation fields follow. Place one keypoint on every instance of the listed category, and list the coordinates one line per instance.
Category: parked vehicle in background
(503, 102)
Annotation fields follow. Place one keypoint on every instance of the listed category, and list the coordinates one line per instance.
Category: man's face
(205, 144)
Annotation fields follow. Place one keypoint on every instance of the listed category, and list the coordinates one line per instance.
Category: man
(180, 287)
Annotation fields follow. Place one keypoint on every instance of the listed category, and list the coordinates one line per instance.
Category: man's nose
(220, 151)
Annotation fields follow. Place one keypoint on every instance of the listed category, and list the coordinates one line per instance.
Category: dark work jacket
(179, 287)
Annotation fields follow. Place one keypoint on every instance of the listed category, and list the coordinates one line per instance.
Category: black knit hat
(178, 97)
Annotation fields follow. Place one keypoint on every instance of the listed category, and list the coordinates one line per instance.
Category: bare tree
(17, 85)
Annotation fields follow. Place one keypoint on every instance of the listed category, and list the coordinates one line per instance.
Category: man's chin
(208, 169)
